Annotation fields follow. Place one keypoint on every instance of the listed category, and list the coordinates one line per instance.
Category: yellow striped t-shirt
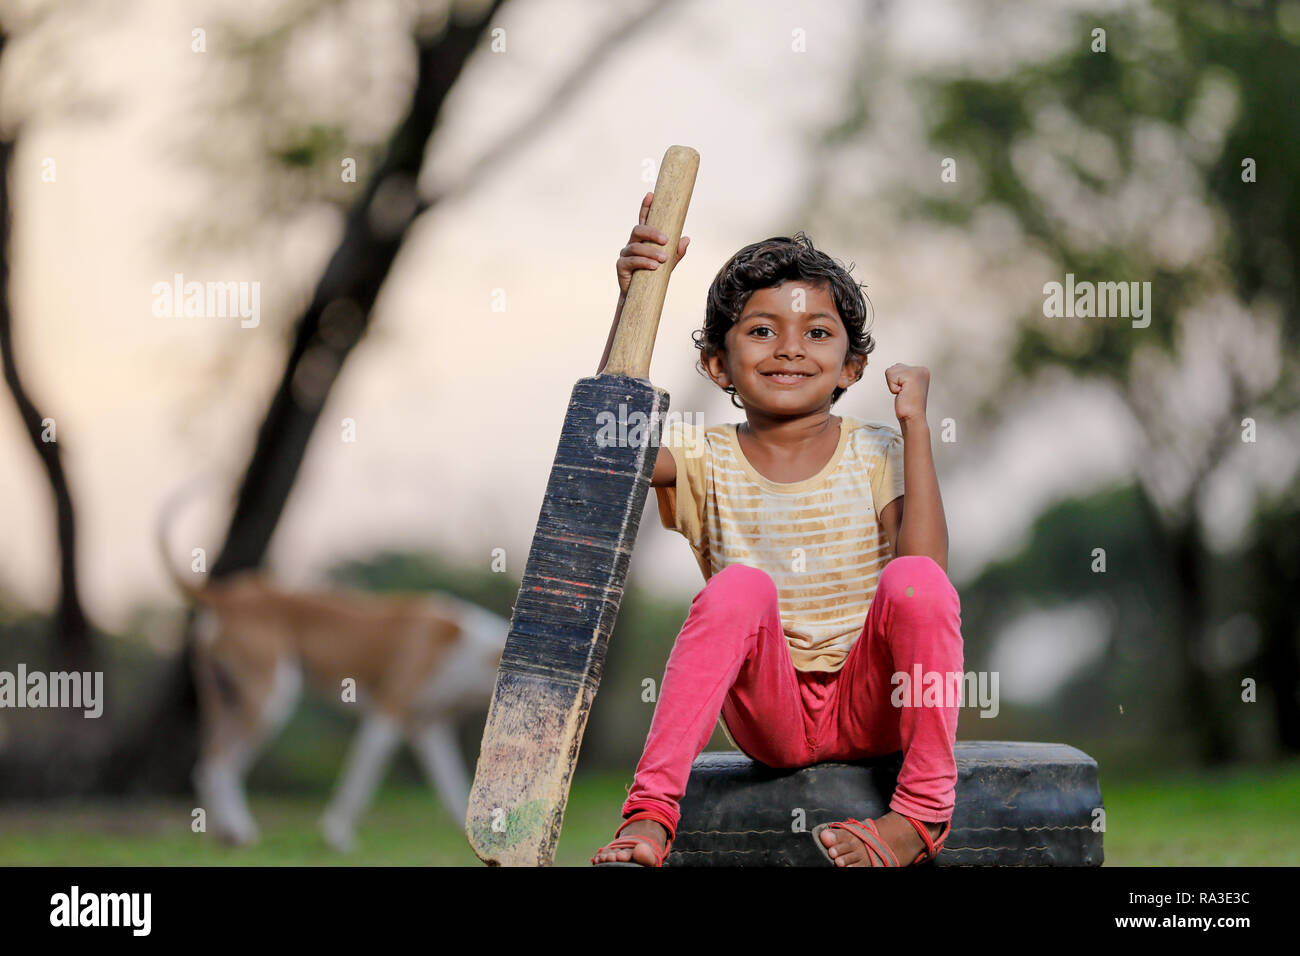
(819, 538)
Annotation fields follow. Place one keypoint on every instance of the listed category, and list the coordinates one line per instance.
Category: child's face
(791, 327)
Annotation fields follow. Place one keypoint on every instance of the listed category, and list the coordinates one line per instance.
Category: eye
(825, 333)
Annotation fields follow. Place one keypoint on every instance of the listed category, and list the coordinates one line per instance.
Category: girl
(822, 593)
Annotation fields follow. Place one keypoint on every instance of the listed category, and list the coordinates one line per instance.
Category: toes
(846, 848)
(852, 853)
(620, 856)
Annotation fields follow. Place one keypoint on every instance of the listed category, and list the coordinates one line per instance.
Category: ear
(854, 367)
(715, 363)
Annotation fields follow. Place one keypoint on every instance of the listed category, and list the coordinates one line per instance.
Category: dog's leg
(439, 754)
(239, 721)
(216, 776)
(218, 779)
(372, 748)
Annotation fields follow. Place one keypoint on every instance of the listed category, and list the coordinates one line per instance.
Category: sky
(457, 407)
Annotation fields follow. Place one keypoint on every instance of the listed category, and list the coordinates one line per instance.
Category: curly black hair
(762, 265)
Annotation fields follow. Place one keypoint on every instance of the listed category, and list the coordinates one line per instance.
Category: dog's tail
(187, 585)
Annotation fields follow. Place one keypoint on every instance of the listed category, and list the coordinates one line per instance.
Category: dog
(413, 664)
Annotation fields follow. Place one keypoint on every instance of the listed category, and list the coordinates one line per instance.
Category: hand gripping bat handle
(634, 340)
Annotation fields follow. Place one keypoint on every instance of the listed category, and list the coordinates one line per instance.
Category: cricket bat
(576, 569)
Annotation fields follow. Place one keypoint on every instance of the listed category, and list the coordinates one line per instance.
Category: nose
(790, 345)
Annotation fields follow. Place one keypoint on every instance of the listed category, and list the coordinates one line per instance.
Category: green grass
(1242, 817)
(1235, 818)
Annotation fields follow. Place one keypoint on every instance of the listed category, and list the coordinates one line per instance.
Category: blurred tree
(1165, 147)
(1274, 582)
(72, 633)
(162, 751)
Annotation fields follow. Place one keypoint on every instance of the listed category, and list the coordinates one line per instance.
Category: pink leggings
(731, 657)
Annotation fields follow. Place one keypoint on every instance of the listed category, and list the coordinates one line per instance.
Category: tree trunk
(341, 308)
(74, 647)
(162, 751)
(1181, 550)
(1275, 557)
(336, 319)
(1202, 697)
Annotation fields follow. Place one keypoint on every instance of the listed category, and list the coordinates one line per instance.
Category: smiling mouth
(787, 378)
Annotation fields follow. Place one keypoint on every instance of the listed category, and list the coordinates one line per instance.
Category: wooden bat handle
(634, 340)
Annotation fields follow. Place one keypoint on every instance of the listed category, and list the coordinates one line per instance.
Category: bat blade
(566, 610)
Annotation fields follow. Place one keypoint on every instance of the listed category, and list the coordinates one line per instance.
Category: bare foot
(847, 850)
(641, 853)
